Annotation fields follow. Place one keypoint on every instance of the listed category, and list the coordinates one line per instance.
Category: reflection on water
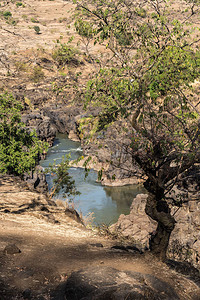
(123, 195)
(107, 203)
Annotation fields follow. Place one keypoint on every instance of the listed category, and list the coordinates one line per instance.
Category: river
(106, 203)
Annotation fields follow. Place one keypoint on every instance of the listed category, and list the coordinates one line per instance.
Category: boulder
(73, 136)
(72, 213)
(11, 249)
(42, 124)
(185, 238)
(36, 180)
(108, 283)
(137, 224)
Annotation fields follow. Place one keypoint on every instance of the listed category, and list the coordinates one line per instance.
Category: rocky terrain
(46, 254)
(42, 247)
(185, 239)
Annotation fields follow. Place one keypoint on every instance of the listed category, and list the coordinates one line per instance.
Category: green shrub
(7, 14)
(34, 20)
(65, 54)
(37, 74)
(19, 149)
(37, 29)
(62, 181)
(8, 17)
(141, 12)
(19, 4)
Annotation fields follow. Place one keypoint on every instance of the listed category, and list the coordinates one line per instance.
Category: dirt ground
(52, 245)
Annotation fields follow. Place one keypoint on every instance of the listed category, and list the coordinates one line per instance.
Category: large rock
(43, 112)
(113, 146)
(36, 120)
(107, 283)
(137, 224)
(36, 180)
(185, 239)
(50, 120)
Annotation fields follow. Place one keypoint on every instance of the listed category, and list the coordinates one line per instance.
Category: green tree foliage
(86, 31)
(148, 83)
(62, 181)
(19, 149)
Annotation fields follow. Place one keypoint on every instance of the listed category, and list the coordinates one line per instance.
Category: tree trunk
(159, 211)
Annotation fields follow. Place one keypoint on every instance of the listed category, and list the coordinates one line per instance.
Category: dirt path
(53, 245)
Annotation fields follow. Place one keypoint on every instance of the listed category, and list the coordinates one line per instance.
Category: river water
(106, 203)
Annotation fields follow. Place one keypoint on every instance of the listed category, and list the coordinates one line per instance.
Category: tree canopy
(19, 149)
(149, 81)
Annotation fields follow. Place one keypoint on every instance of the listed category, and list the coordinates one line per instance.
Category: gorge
(105, 203)
(143, 80)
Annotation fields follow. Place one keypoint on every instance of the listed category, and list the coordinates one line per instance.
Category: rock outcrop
(185, 239)
(137, 224)
(109, 283)
(44, 113)
(31, 202)
(50, 120)
(36, 180)
(112, 147)
(36, 120)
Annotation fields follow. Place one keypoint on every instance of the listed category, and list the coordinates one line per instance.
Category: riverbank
(103, 204)
(49, 246)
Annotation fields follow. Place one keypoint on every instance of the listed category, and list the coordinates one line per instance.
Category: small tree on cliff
(62, 182)
(19, 149)
(154, 60)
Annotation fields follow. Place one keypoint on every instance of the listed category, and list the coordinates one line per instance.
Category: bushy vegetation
(86, 30)
(37, 74)
(65, 54)
(34, 20)
(62, 182)
(7, 16)
(37, 29)
(19, 149)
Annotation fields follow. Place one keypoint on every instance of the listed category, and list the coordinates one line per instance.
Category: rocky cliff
(185, 239)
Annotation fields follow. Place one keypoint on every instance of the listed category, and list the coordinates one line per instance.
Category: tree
(148, 83)
(19, 149)
(62, 181)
